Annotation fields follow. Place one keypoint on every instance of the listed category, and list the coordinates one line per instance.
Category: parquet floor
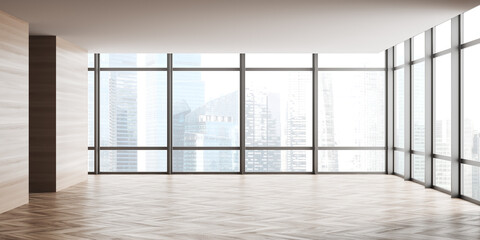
(243, 207)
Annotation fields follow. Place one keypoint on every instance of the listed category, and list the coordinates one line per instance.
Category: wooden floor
(243, 207)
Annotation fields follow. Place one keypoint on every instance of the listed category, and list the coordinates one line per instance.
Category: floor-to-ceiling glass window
(399, 109)
(470, 152)
(442, 106)
(418, 107)
(133, 113)
(206, 118)
(278, 113)
(351, 112)
(206, 99)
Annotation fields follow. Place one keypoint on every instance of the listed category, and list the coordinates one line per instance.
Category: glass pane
(91, 109)
(91, 160)
(133, 60)
(351, 161)
(399, 109)
(419, 167)
(399, 163)
(278, 161)
(342, 95)
(91, 60)
(419, 46)
(206, 108)
(471, 181)
(215, 60)
(419, 107)
(278, 109)
(443, 38)
(206, 161)
(442, 124)
(133, 108)
(278, 60)
(442, 174)
(133, 161)
(471, 99)
(399, 54)
(471, 31)
(355, 60)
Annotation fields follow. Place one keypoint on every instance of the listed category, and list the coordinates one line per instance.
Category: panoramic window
(205, 109)
(133, 60)
(442, 117)
(418, 105)
(471, 31)
(206, 113)
(399, 109)
(205, 117)
(206, 60)
(399, 162)
(443, 37)
(419, 46)
(418, 121)
(133, 109)
(351, 113)
(278, 60)
(418, 167)
(278, 113)
(343, 95)
(399, 54)
(345, 60)
(470, 181)
(471, 98)
(442, 173)
(470, 174)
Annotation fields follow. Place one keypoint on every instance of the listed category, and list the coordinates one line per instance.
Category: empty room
(252, 119)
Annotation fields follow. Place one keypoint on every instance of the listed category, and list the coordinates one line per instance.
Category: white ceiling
(201, 26)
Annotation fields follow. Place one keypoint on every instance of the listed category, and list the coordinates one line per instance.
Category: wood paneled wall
(72, 114)
(13, 112)
(59, 108)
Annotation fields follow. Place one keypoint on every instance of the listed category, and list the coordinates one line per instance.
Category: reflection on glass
(278, 161)
(133, 161)
(354, 60)
(207, 60)
(418, 167)
(91, 160)
(351, 108)
(442, 174)
(91, 109)
(443, 37)
(278, 109)
(399, 109)
(471, 99)
(133, 108)
(206, 108)
(399, 54)
(442, 123)
(470, 181)
(418, 122)
(399, 162)
(471, 31)
(205, 161)
(278, 60)
(133, 60)
(351, 160)
(419, 46)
